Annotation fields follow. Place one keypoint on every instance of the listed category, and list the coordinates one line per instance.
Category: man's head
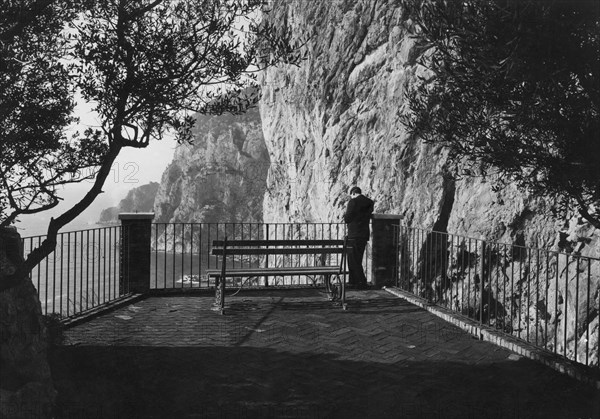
(355, 190)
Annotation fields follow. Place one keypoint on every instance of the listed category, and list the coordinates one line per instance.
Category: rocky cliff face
(221, 177)
(140, 199)
(334, 122)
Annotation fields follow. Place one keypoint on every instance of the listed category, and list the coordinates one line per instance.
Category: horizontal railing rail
(546, 298)
(181, 252)
(81, 274)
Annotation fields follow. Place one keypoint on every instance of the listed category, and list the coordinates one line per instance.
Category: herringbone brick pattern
(291, 354)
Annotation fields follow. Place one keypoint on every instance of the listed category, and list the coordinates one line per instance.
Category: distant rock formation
(139, 199)
(221, 177)
(333, 122)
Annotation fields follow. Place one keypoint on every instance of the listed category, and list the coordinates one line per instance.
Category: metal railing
(546, 298)
(181, 251)
(81, 274)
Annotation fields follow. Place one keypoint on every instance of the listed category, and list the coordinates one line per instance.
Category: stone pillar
(135, 252)
(383, 249)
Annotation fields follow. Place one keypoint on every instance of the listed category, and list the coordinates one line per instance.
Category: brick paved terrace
(292, 354)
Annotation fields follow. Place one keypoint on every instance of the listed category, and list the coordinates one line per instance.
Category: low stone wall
(26, 388)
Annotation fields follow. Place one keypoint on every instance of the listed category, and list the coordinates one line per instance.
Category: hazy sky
(133, 167)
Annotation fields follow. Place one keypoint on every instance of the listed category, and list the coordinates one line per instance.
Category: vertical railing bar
(481, 279)
(434, 266)
(443, 251)
(576, 331)
(166, 240)
(68, 270)
(565, 300)
(87, 268)
(200, 226)
(556, 303)
(497, 285)
(426, 244)
(155, 227)
(93, 267)
(489, 285)
(103, 276)
(208, 246)
(39, 273)
(46, 285)
(413, 253)
(54, 280)
(105, 244)
(174, 250)
(401, 255)
(537, 295)
(429, 265)
(75, 274)
(469, 262)
(505, 254)
(547, 284)
(266, 278)
(182, 252)
(443, 264)
(110, 260)
(81, 270)
(420, 251)
(117, 261)
(527, 317)
(192, 257)
(521, 281)
(512, 288)
(587, 314)
(99, 258)
(62, 253)
(416, 251)
(407, 281)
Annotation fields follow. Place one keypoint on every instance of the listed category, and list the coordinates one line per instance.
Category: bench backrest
(277, 247)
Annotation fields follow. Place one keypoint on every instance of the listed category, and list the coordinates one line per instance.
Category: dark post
(482, 280)
(135, 252)
(385, 259)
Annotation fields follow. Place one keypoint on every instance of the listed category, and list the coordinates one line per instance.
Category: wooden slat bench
(334, 275)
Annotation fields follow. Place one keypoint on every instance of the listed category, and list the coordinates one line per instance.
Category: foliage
(513, 91)
(36, 97)
(147, 67)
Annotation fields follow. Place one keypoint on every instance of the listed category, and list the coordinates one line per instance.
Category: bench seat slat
(316, 270)
(278, 251)
(281, 242)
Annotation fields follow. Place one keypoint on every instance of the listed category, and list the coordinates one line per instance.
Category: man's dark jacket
(357, 216)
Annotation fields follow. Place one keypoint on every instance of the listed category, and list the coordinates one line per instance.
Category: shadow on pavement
(249, 382)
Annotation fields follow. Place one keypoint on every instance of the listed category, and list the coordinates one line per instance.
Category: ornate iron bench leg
(338, 291)
(327, 281)
(219, 304)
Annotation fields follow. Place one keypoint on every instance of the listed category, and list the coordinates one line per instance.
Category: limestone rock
(333, 122)
(221, 177)
(139, 199)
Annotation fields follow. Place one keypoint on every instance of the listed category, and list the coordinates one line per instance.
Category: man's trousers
(355, 257)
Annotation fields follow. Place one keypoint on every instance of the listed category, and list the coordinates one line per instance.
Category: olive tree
(513, 91)
(146, 66)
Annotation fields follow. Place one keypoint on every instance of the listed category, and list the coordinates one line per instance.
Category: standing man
(357, 216)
